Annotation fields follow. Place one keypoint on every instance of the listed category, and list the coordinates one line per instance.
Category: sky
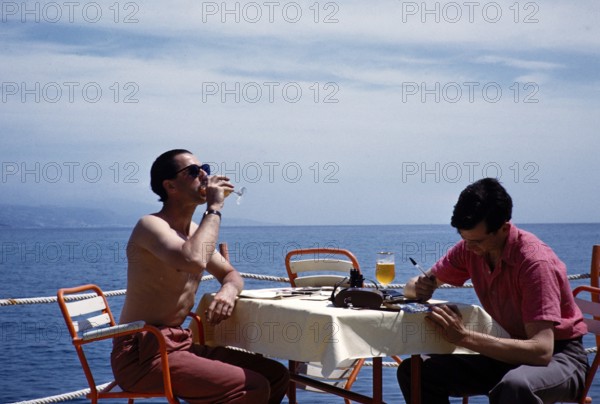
(328, 112)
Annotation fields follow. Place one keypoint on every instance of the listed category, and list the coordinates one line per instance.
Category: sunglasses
(193, 170)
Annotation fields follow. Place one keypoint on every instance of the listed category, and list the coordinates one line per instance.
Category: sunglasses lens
(193, 171)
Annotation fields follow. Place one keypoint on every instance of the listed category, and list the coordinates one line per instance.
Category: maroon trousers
(199, 374)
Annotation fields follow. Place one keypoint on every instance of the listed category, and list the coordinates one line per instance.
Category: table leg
(292, 385)
(352, 396)
(415, 379)
(377, 380)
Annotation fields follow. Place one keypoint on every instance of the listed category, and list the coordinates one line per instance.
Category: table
(311, 329)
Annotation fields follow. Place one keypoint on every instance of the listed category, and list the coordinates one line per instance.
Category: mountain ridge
(53, 216)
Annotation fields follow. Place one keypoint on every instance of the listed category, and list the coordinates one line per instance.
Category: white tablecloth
(309, 330)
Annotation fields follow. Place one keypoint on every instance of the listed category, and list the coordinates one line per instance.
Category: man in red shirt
(523, 285)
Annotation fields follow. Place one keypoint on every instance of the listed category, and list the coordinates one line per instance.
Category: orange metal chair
(591, 312)
(595, 267)
(89, 319)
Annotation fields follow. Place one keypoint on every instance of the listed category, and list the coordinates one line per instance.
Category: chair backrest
(595, 267)
(86, 312)
(324, 260)
(591, 311)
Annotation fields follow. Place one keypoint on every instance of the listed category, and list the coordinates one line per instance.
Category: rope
(470, 285)
(62, 397)
(121, 292)
(383, 364)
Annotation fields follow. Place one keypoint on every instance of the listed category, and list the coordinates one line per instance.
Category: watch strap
(212, 212)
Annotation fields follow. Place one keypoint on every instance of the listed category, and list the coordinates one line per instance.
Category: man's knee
(258, 388)
(513, 388)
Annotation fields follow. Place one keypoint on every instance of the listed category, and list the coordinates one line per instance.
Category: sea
(38, 359)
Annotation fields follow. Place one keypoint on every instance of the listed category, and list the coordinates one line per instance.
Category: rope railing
(121, 292)
(62, 397)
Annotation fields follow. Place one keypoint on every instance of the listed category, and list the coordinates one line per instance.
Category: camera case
(358, 297)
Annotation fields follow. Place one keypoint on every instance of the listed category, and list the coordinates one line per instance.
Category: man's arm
(189, 254)
(192, 255)
(231, 286)
(536, 350)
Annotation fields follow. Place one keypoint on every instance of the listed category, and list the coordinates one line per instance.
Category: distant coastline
(59, 217)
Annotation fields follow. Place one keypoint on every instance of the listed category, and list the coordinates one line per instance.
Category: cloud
(519, 63)
(364, 87)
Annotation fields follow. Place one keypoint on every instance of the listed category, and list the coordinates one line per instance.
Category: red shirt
(528, 284)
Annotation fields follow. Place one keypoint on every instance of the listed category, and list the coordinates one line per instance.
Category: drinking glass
(239, 194)
(385, 268)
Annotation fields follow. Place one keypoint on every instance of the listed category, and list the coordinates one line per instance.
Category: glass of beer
(385, 268)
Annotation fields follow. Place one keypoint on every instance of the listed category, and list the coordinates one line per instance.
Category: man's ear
(169, 186)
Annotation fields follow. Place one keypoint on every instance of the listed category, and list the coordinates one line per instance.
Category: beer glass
(385, 268)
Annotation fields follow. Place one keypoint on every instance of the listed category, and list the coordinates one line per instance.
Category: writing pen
(419, 267)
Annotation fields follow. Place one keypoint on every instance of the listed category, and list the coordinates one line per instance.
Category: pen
(418, 266)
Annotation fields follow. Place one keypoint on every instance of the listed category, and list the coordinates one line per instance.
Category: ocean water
(38, 359)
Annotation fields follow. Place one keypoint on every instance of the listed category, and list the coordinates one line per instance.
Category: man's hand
(222, 306)
(215, 191)
(448, 320)
(424, 287)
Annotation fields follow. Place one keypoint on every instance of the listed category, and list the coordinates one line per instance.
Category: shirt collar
(510, 247)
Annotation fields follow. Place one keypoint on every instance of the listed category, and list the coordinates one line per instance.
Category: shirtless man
(167, 255)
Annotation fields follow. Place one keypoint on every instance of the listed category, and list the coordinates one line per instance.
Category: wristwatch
(212, 212)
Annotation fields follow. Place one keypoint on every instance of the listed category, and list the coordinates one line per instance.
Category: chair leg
(465, 400)
(292, 385)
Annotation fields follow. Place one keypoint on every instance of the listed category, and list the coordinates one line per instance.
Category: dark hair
(484, 200)
(164, 168)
